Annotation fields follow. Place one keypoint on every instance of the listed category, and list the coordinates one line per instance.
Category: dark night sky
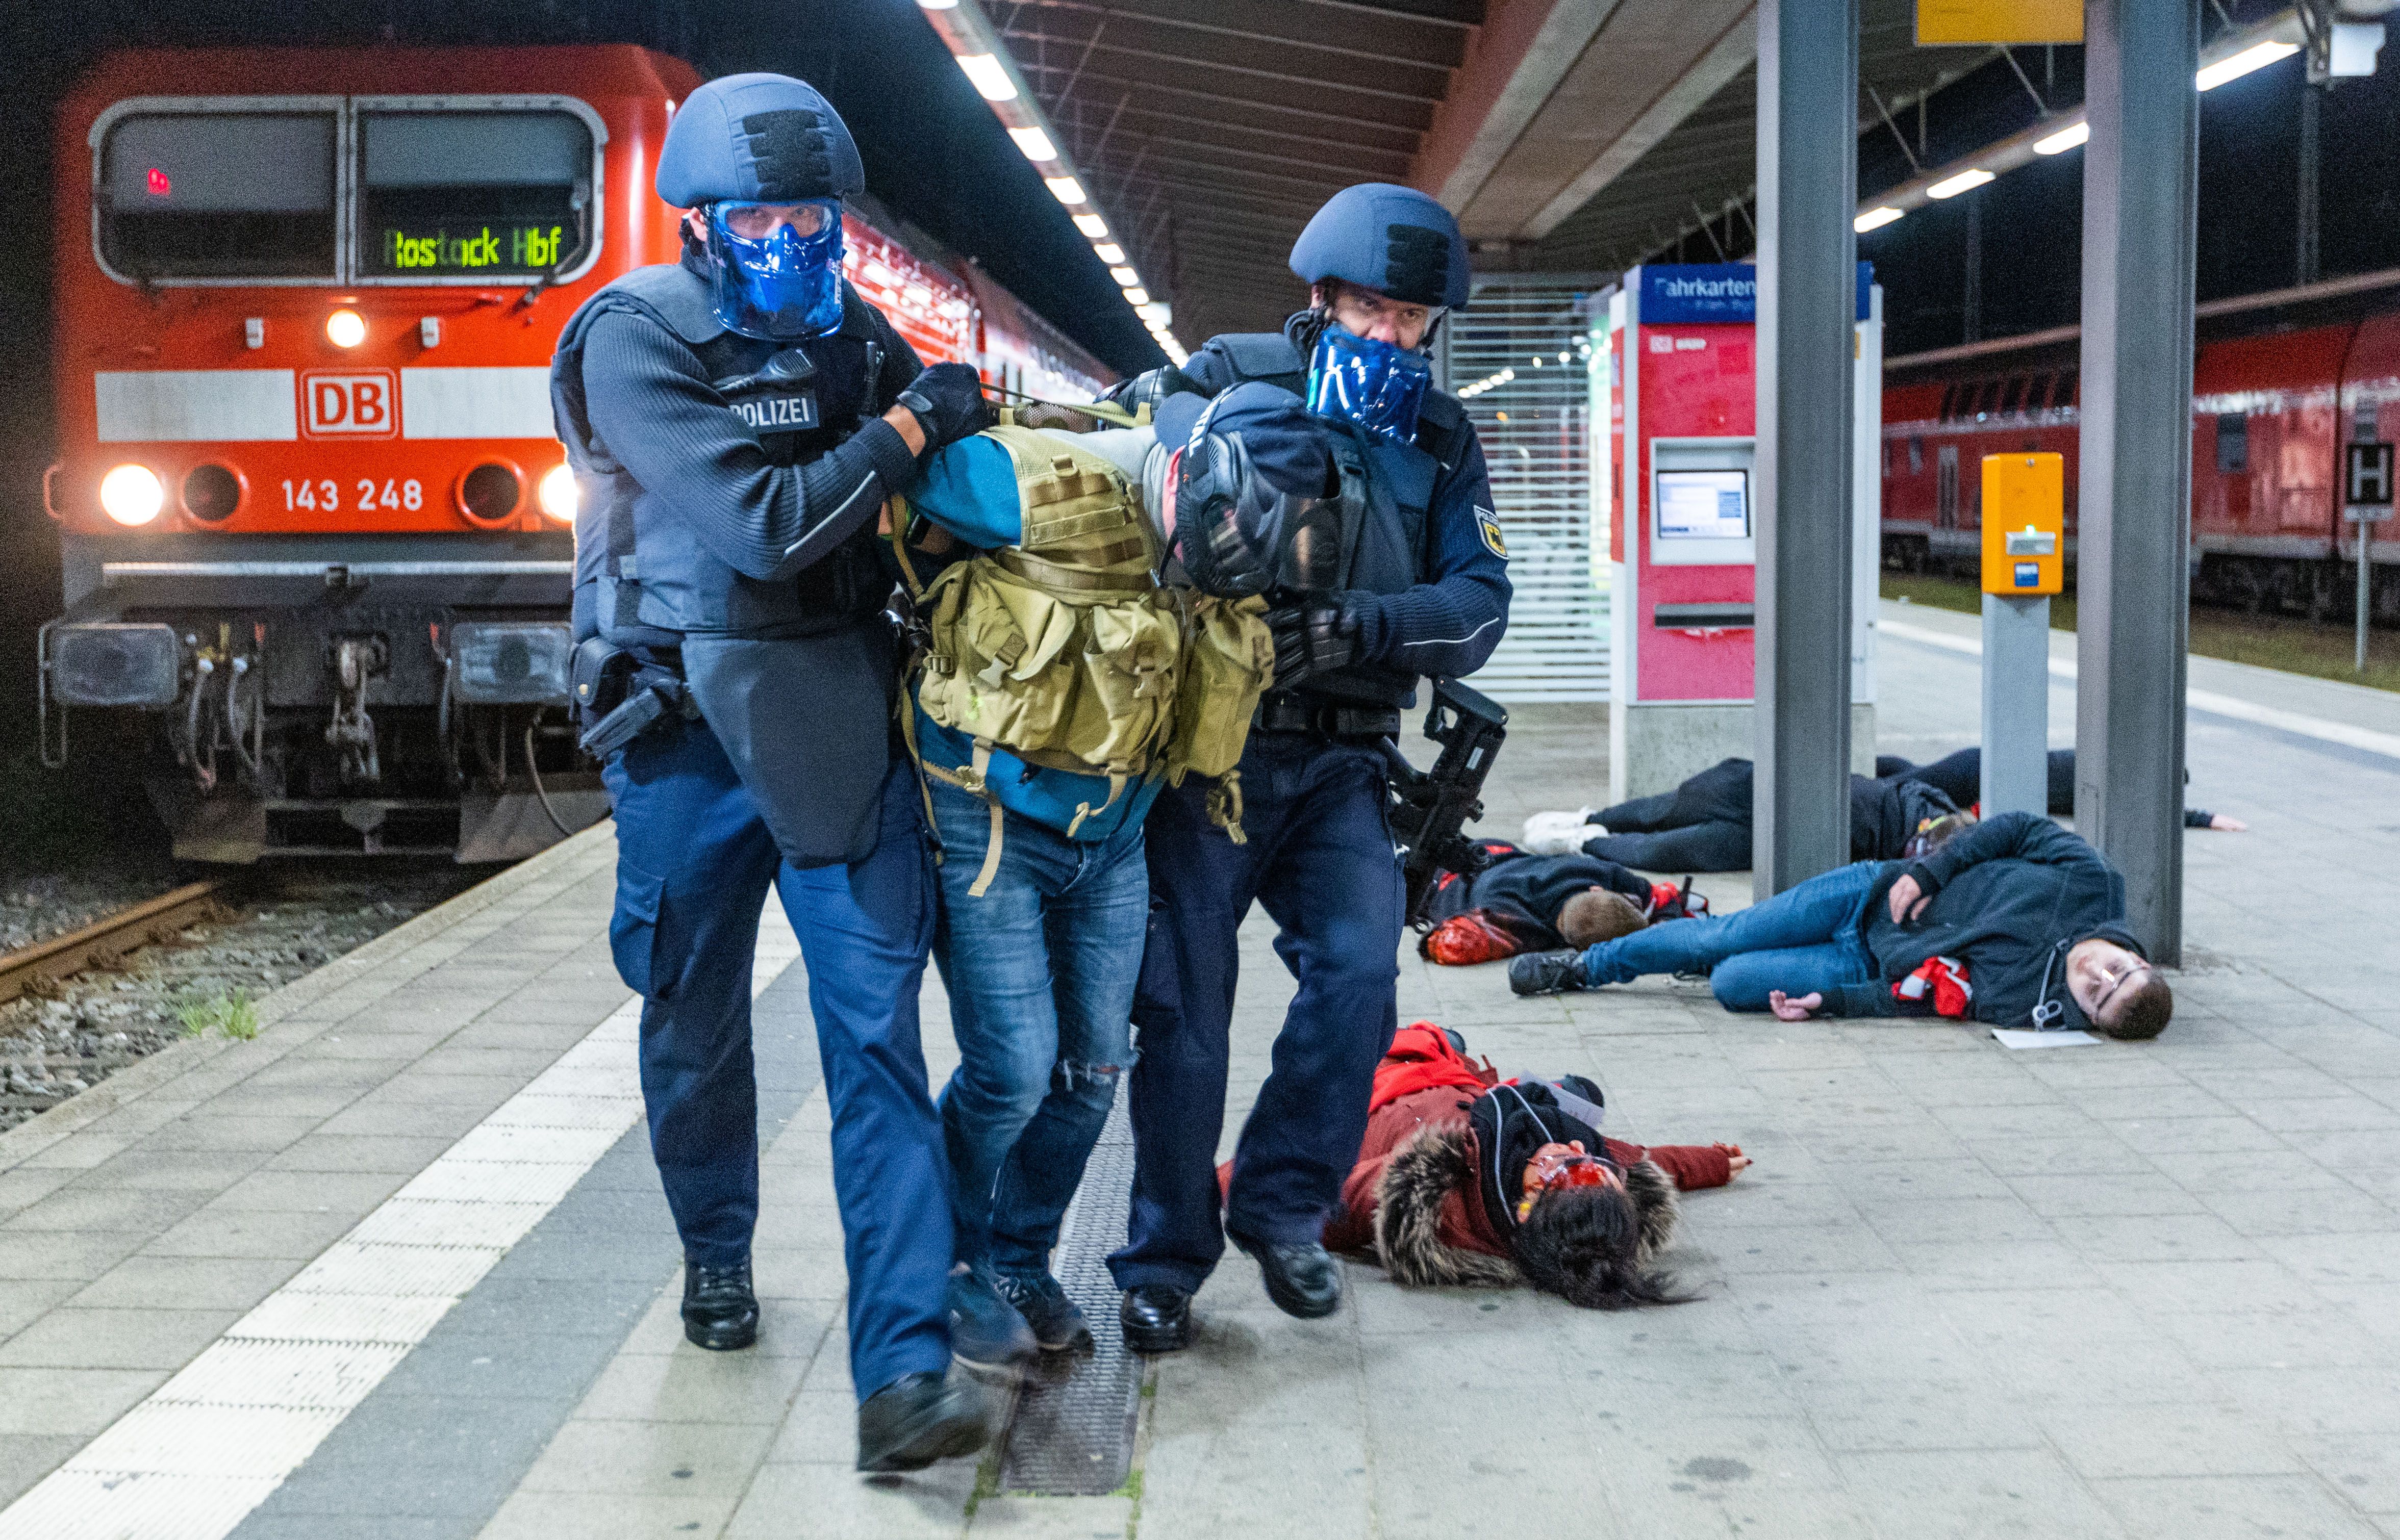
(935, 155)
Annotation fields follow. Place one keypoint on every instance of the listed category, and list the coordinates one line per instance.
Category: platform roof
(1568, 134)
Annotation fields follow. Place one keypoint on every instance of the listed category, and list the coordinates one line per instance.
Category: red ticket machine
(1682, 537)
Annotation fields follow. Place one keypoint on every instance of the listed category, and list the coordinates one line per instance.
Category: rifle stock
(1431, 809)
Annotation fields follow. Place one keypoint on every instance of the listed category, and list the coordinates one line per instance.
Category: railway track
(104, 942)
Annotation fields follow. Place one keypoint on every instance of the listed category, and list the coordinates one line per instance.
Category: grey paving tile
(181, 1283)
(52, 1402)
(548, 1515)
(352, 1192)
(709, 1459)
(327, 1151)
(81, 1255)
(200, 1171)
(219, 1231)
(1974, 1493)
(26, 1458)
(2210, 1508)
(92, 1205)
(146, 1337)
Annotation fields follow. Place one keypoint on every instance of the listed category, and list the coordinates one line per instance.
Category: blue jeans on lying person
(1805, 939)
(1041, 969)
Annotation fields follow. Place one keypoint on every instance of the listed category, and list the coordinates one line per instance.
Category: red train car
(313, 517)
(2271, 415)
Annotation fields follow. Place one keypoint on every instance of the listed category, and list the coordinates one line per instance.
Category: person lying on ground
(1463, 1180)
(1523, 903)
(2016, 922)
(1703, 826)
(1960, 777)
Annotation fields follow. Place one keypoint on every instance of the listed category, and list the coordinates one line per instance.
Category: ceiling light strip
(985, 59)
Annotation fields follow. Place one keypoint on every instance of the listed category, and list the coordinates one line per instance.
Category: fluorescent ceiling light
(1963, 182)
(1066, 189)
(1137, 296)
(1127, 278)
(1162, 314)
(2064, 140)
(2242, 63)
(1110, 252)
(1874, 218)
(1035, 143)
(939, 5)
(989, 76)
(1093, 225)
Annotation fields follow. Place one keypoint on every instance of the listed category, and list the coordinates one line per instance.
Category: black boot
(1156, 1317)
(919, 1419)
(1302, 1276)
(1546, 972)
(719, 1311)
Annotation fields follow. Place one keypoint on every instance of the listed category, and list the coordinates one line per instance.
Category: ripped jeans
(1041, 972)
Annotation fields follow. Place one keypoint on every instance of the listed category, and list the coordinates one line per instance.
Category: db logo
(362, 405)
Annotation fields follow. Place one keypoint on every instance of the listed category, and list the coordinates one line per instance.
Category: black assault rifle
(1430, 808)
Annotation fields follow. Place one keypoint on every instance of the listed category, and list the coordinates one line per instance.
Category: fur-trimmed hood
(1439, 1159)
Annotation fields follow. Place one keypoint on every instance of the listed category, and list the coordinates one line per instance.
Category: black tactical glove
(947, 401)
(1323, 633)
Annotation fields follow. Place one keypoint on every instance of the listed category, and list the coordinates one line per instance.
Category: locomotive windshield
(473, 194)
(219, 194)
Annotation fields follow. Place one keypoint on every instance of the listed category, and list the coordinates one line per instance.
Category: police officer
(1333, 420)
(735, 421)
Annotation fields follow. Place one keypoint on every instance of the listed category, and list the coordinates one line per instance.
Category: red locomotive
(313, 518)
(2278, 420)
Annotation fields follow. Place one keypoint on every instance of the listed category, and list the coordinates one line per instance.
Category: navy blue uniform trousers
(694, 861)
(1320, 859)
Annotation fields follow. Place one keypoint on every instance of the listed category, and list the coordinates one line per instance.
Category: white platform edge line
(2322, 728)
(251, 1409)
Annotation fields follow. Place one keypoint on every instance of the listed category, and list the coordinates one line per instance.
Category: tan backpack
(1064, 650)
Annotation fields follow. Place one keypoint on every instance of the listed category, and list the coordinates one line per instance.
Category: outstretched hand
(1908, 900)
(1788, 1009)
(1735, 1162)
(2230, 825)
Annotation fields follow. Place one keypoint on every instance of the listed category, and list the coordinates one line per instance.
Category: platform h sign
(2024, 562)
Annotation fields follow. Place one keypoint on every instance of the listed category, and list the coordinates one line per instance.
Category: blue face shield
(1376, 385)
(783, 284)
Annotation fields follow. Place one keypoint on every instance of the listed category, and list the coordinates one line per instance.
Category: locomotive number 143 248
(325, 496)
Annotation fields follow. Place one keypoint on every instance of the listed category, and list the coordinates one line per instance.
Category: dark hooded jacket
(2009, 898)
(1884, 814)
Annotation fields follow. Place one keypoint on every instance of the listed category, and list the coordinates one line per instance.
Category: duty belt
(1281, 711)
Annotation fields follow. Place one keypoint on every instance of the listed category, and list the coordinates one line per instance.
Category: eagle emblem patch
(1491, 537)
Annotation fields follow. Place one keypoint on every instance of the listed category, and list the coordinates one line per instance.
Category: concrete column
(1807, 304)
(2135, 479)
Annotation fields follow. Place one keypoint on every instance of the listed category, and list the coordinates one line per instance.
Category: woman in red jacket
(1463, 1180)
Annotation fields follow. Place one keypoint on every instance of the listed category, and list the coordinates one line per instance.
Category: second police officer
(1333, 424)
(735, 421)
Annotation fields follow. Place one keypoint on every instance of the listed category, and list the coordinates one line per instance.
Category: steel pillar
(1808, 307)
(2135, 479)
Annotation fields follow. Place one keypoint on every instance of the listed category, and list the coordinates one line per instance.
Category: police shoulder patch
(1491, 539)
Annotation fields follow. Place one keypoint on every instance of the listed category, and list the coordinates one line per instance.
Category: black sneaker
(919, 1419)
(720, 1311)
(1546, 972)
(1058, 1325)
(986, 1331)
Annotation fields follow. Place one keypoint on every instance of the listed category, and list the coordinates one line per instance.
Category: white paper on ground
(2017, 1037)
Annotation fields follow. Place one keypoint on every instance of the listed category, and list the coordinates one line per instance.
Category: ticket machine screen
(1704, 505)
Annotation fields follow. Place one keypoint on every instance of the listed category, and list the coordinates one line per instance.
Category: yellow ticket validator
(2024, 525)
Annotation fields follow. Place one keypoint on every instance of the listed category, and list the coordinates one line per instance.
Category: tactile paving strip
(1073, 1435)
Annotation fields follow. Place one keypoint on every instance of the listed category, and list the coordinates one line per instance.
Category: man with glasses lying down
(2016, 922)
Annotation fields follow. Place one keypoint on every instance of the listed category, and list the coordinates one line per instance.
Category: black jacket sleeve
(647, 400)
(2011, 836)
(1447, 626)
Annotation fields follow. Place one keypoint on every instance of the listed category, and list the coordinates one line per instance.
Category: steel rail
(152, 922)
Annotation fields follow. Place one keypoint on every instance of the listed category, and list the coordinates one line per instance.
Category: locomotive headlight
(346, 329)
(132, 495)
(557, 494)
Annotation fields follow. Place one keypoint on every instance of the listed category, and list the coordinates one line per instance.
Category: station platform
(399, 1267)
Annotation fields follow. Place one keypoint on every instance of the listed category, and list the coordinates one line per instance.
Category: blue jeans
(1041, 972)
(694, 861)
(1320, 861)
(1805, 939)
